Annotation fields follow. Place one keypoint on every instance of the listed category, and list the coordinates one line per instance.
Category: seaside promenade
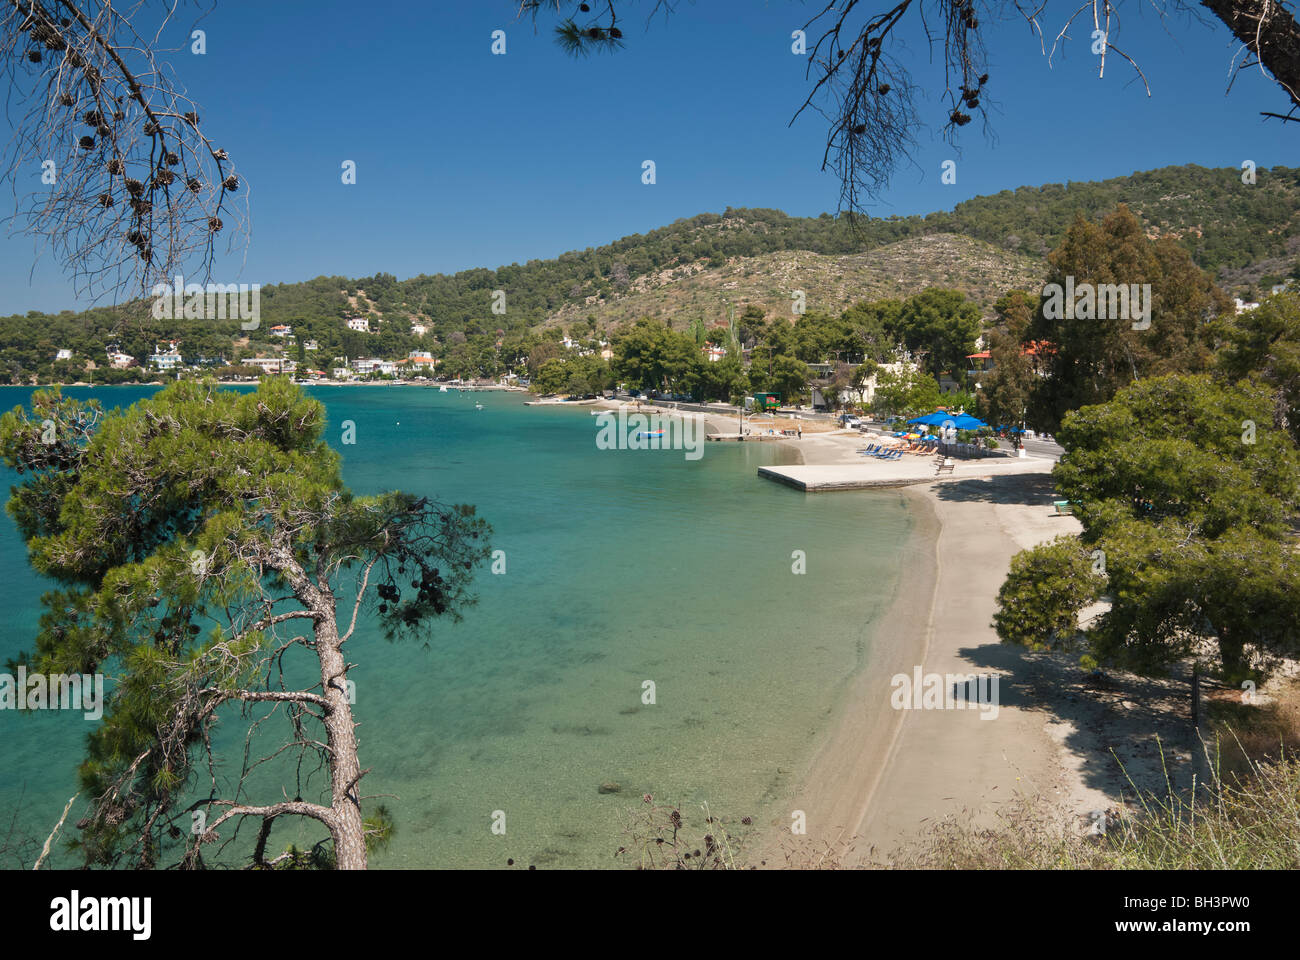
(867, 472)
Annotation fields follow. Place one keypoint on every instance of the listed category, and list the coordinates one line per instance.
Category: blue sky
(467, 159)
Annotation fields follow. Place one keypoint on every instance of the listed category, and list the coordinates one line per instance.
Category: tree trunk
(345, 765)
(1270, 32)
(1232, 655)
(347, 830)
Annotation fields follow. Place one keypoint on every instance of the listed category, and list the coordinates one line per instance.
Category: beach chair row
(895, 451)
(882, 452)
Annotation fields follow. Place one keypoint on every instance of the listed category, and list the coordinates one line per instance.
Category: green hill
(1247, 236)
(829, 282)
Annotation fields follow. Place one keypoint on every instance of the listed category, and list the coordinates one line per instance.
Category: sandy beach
(1059, 739)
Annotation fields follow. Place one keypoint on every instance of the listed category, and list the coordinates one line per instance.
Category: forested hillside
(1247, 235)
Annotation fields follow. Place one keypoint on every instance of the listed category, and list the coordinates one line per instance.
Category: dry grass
(662, 837)
(1244, 734)
(1250, 821)
(1244, 816)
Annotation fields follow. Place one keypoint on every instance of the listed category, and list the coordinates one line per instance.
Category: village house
(166, 356)
(417, 361)
(365, 366)
(271, 365)
(360, 324)
(981, 364)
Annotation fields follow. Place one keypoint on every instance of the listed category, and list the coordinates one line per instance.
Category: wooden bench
(946, 467)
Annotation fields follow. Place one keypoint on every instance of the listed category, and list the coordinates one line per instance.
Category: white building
(1243, 307)
(271, 364)
(360, 324)
(311, 345)
(166, 356)
(165, 361)
(418, 329)
(868, 391)
(120, 360)
(63, 355)
(417, 362)
(364, 366)
(281, 330)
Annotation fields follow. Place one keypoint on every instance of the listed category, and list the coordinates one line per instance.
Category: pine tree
(1094, 355)
(200, 542)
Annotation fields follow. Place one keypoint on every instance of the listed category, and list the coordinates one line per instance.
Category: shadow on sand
(1029, 489)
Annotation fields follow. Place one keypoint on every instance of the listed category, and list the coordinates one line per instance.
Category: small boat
(478, 406)
(651, 433)
(443, 388)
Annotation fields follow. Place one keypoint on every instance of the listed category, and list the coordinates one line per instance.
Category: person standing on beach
(801, 431)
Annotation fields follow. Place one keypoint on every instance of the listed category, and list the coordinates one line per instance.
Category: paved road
(1043, 448)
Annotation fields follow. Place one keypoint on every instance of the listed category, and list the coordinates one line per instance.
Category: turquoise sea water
(621, 566)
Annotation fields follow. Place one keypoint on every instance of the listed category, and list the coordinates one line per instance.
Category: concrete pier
(869, 473)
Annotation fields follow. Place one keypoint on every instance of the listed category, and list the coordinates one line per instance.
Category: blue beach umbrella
(967, 422)
(932, 419)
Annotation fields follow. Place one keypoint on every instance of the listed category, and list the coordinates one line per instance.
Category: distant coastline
(500, 388)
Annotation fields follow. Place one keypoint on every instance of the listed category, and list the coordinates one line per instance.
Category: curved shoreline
(839, 788)
(880, 775)
(877, 776)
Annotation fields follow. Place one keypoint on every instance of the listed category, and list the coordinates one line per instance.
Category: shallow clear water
(621, 566)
